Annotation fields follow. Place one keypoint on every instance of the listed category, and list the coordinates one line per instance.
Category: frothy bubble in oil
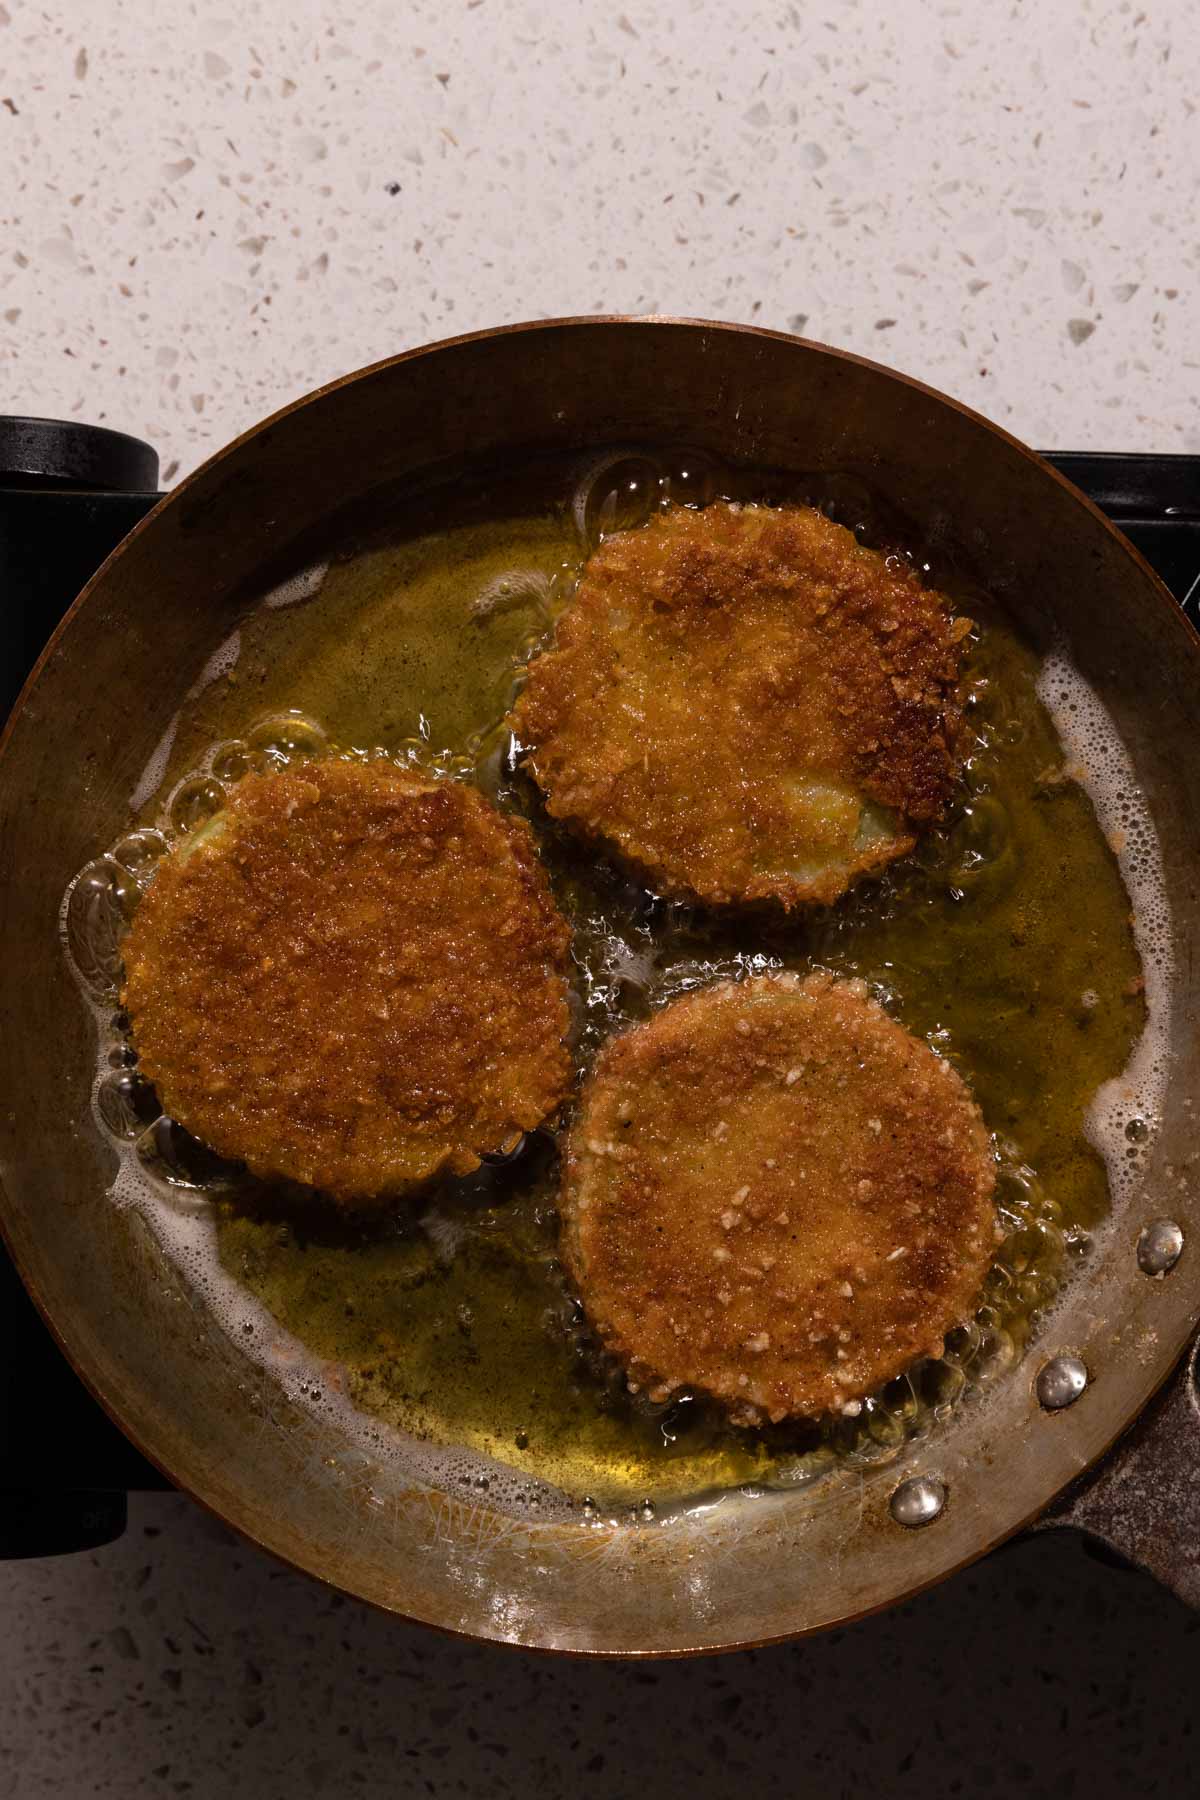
(633, 952)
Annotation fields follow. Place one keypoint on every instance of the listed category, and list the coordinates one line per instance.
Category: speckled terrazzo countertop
(208, 210)
(205, 211)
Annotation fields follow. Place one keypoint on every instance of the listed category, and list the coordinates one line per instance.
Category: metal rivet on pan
(1159, 1247)
(918, 1501)
(1061, 1382)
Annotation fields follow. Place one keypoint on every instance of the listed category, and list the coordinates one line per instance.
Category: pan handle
(1155, 501)
(68, 494)
(1143, 1502)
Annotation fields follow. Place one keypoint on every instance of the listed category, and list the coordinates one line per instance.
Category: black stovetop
(68, 494)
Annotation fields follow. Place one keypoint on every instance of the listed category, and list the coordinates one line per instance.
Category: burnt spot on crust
(778, 1196)
(353, 977)
(747, 704)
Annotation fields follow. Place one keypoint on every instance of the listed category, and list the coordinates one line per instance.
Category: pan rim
(582, 321)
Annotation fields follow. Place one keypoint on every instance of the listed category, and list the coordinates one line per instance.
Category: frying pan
(208, 1414)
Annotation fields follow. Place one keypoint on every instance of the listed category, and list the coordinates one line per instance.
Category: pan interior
(442, 1333)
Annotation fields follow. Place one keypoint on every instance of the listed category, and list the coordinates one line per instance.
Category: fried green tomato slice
(747, 705)
(777, 1196)
(352, 977)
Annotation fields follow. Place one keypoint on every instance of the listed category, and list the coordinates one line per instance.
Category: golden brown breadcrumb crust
(726, 690)
(776, 1195)
(355, 980)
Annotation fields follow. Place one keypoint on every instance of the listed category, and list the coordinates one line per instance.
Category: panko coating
(747, 704)
(776, 1195)
(352, 977)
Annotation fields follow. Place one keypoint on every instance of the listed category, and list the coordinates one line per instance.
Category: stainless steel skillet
(143, 1339)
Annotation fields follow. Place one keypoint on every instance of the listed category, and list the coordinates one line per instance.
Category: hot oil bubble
(962, 1344)
(881, 1426)
(981, 848)
(139, 854)
(616, 495)
(528, 647)
(996, 1353)
(127, 1103)
(100, 907)
(1025, 1249)
(232, 760)
(288, 737)
(491, 761)
(940, 1384)
(803, 1470)
(1026, 1275)
(1020, 1198)
(689, 478)
(561, 590)
(414, 751)
(894, 1410)
(518, 590)
(508, 1153)
(850, 502)
(194, 802)
(172, 1155)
